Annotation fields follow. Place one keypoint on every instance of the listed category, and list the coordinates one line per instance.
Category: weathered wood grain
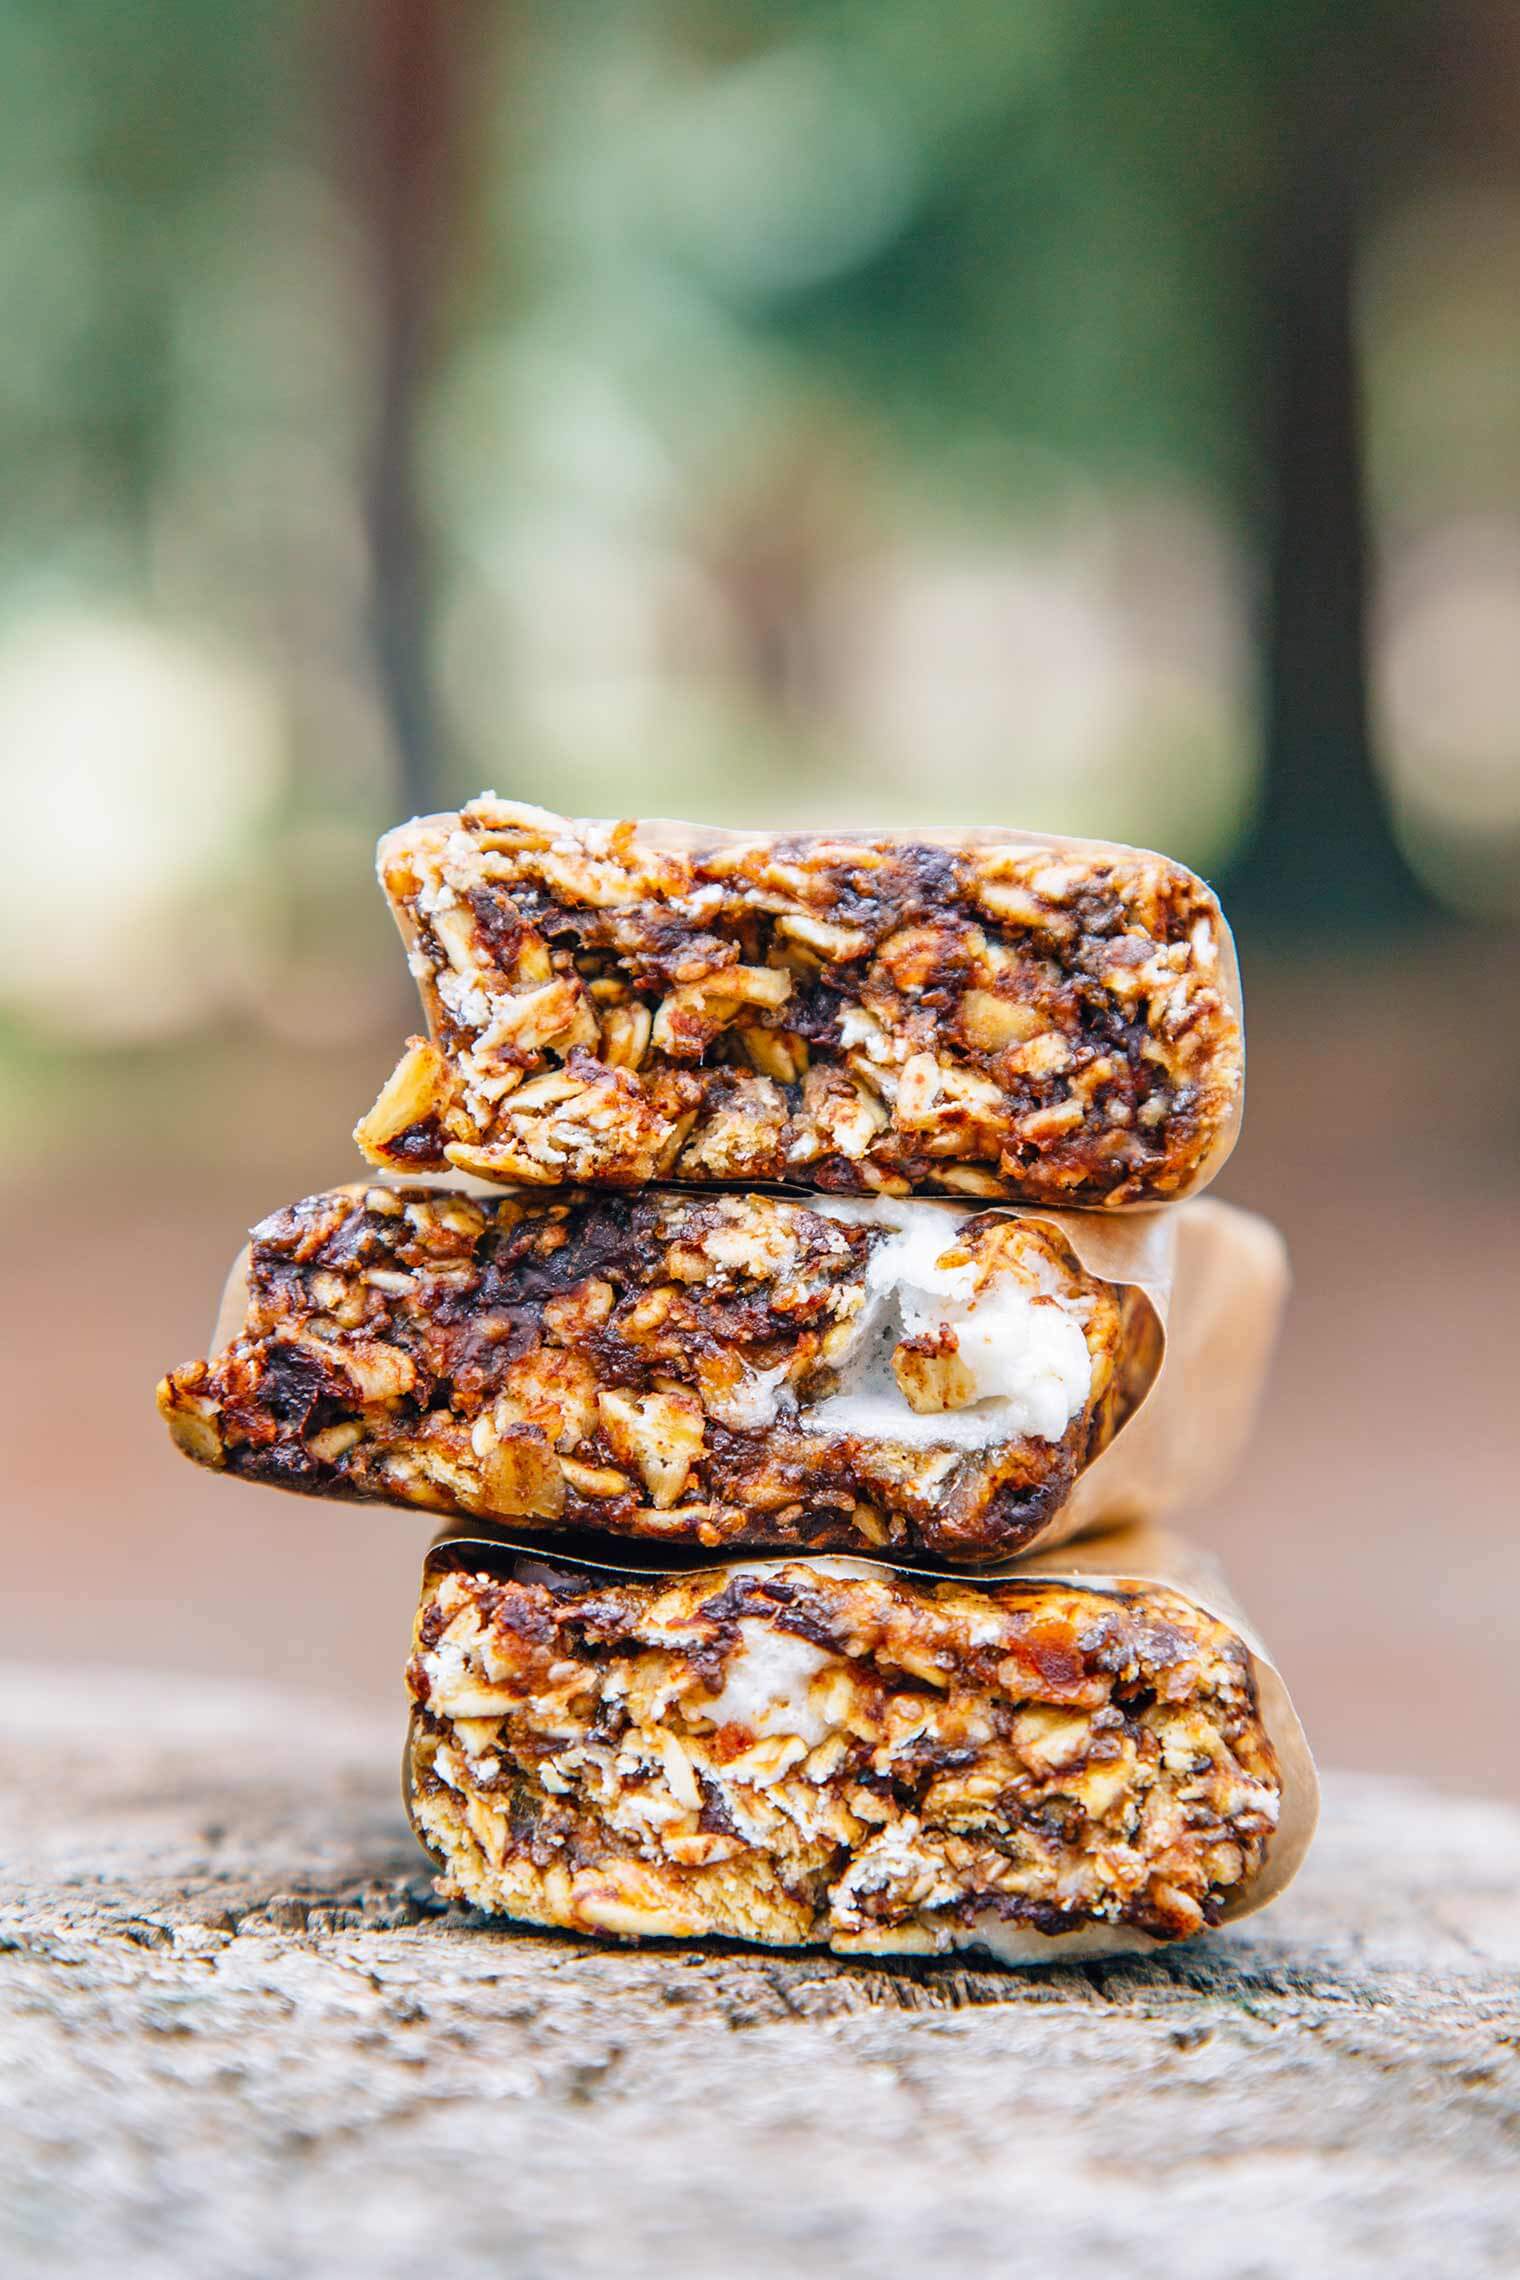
(238, 2038)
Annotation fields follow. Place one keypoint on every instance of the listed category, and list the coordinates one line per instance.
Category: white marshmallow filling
(1024, 1367)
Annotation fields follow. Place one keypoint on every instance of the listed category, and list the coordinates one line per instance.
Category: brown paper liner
(1122, 1560)
(1219, 1309)
(1214, 1278)
(681, 838)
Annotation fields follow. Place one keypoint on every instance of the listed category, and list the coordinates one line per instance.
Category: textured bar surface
(670, 1365)
(823, 1753)
(1055, 1024)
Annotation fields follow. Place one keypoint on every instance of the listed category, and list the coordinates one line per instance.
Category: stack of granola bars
(780, 1246)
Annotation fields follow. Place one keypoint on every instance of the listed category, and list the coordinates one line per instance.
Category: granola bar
(825, 1753)
(994, 1017)
(702, 1368)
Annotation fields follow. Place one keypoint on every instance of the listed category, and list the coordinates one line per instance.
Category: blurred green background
(1058, 413)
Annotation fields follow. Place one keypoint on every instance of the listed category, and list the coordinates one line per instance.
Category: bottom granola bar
(823, 1752)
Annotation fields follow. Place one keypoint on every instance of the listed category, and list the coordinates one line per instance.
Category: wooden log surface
(239, 2038)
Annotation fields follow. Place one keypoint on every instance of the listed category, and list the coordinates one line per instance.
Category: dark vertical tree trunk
(402, 75)
(410, 137)
(1323, 852)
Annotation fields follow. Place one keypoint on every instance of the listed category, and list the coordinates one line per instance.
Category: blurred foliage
(1040, 225)
(773, 301)
(827, 408)
(121, 129)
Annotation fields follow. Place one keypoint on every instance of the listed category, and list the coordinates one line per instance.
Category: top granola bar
(988, 1015)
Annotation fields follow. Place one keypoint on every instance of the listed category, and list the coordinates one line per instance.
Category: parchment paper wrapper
(1220, 1313)
(1215, 1279)
(1120, 1560)
(682, 838)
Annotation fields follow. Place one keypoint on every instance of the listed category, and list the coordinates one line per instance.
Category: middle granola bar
(703, 1369)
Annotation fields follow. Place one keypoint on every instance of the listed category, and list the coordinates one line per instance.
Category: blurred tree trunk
(405, 75)
(1323, 848)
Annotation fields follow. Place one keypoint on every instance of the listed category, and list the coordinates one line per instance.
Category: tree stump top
(241, 2038)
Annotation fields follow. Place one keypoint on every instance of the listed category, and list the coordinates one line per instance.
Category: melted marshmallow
(754, 1401)
(767, 1684)
(1024, 1346)
(1019, 1943)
